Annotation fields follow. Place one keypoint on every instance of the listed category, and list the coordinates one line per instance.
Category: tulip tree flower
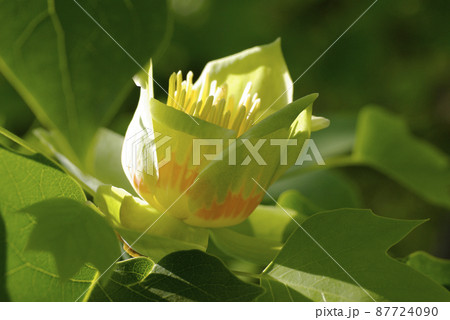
(202, 158)
(238, 104)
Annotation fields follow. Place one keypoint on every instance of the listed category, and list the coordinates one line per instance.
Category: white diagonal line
(317, 243)
(130, 56)
(138, 238)
(318, 58)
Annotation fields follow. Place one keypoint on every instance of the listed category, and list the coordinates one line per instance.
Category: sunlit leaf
(27, 180)
(74, 233)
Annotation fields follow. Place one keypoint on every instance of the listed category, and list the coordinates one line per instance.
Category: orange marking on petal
(176, 176)
(235, 206)
(139, 184)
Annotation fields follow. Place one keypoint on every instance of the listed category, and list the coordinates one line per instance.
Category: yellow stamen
(178, 92)
(191, 101)
(189, 77)
(255, 96)
(181, 100)
(212, 103)
(238, 120)
(206, 108)
(171, 97)
(198, 106)
(245, 93)
(247, 102)
(226, 119)
(205, 88)
(251, 115)
(230, 104)
(220, 107)
(212, 114)
(212, 89)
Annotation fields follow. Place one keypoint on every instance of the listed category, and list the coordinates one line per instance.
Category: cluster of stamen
(212, 103)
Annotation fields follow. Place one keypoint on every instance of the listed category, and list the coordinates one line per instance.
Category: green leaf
(338, 139)
(14, 113)
(3, 290)
(31, 275)
(11, 138)
(357, 241)
(75, 233)
(384, 142)
(180, 276)
(47, 143)
(321, 190)
(435, 268)
(292, 199)
(67, 69)
(123, 285)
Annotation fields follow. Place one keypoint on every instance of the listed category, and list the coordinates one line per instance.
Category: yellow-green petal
(131, 217)
(220, 181)
(264, 66)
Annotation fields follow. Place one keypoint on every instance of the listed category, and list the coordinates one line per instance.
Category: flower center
(212, 103)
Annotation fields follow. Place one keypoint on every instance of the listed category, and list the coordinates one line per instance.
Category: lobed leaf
(341, 255)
